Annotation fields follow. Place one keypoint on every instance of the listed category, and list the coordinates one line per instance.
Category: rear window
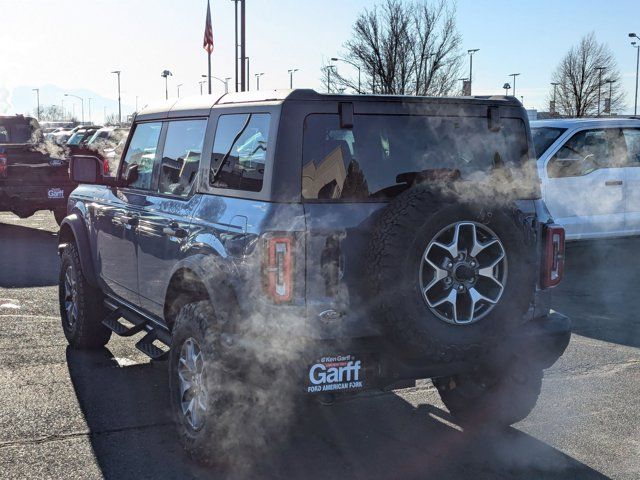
(544, 137)
(15, 132)
(381, 154)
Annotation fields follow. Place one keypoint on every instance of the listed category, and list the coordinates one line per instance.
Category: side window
(181, 156)
(632, 140)
(240, 151)
(142, 152)
(588, 151)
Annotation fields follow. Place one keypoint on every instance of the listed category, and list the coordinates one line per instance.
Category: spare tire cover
(450, 278)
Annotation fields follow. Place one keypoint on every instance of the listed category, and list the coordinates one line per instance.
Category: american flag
(208, 32)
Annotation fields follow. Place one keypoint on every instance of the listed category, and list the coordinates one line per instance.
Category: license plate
(335, 373)
(55, 193)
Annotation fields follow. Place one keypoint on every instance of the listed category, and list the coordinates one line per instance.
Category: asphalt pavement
(69, 414)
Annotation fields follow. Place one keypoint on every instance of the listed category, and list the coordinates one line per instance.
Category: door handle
(173, 229)
(131, 220)
(613, 183)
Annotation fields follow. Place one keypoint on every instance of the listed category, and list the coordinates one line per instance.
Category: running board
(157, 341)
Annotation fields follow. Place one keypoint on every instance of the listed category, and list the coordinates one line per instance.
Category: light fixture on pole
(224, 81)
(637, 47)
(37, 90)
(117, 72)
(600, 69)
(506, 87)
(291, 72)
(328, 68)
(166, 74)
(81, 103)
(609, 107)
(336, 59)
(514, 75)
(258, 75)
(471, 52)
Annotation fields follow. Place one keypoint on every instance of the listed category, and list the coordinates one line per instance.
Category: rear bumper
(27, 198)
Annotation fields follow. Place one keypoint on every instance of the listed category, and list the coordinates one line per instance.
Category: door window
(142, 152)
(632, 140)
(240, 151)
(588, 151)
(181, 157)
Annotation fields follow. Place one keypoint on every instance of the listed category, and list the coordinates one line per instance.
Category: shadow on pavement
(28, 257)
(376, 436)
(601, 289)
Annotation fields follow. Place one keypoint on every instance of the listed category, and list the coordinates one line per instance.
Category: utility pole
(600, 69)
(37, 90)
(117, 72)
(243, 48)
(471, 52)
(514, 75)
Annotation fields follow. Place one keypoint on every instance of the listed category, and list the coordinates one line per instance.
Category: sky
(71, 46)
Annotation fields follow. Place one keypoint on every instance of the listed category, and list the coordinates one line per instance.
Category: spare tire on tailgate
(450, 278)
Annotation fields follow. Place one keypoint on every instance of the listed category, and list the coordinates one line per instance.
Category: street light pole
(90, 109)
(178, 86)
(471, 52)
(166, 74)
(81, 103)
(258, 75)
(37, 90)
(610, 82)
(117, 72)
(201, 83)
(243, 48)
(336, 59)
(600, 69)
(291, 72)
(637, 47)
(514, 75)
(462, 80)
(555, 87)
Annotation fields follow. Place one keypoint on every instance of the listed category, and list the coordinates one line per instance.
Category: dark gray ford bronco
(283, 243)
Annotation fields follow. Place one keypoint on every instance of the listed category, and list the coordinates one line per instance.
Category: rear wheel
(497, 400)
(81, 305)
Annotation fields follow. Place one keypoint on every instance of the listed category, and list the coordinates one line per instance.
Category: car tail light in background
(105, 166)
(553, 261)
(278, 270)
(3, 165)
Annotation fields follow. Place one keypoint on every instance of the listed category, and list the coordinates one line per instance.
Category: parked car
(31, 179)
(590, 173)
(293, 242)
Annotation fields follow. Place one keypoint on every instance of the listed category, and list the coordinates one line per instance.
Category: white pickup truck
(590, 173)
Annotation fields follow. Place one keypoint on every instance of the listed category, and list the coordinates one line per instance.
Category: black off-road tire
(85, 330)
(59, 214)
(399, 240)
(498, 401)
(197, 321)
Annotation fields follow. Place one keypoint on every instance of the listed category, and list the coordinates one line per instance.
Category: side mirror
(131, 174)
(86, 169)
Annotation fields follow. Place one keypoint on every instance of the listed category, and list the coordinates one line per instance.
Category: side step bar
(148, 344)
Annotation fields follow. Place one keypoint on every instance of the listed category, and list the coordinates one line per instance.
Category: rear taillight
(105, 166)
(3, 165)
(278, 269)
(553, 261)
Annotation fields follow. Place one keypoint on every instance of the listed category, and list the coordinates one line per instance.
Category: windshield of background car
(382, 153)
(543, 138)
(76, 138)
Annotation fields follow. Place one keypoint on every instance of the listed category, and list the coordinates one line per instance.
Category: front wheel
(81, 307)
(498, 400)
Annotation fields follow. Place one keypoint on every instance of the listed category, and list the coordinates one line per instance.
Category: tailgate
(25, 165)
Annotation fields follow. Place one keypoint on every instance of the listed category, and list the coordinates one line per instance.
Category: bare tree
(586, 75)
(406, 48)
(48, 113)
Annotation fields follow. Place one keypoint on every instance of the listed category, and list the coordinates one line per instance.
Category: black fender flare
(73, 229)
(213, 272)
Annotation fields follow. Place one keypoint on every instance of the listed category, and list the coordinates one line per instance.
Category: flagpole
(209, 72)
